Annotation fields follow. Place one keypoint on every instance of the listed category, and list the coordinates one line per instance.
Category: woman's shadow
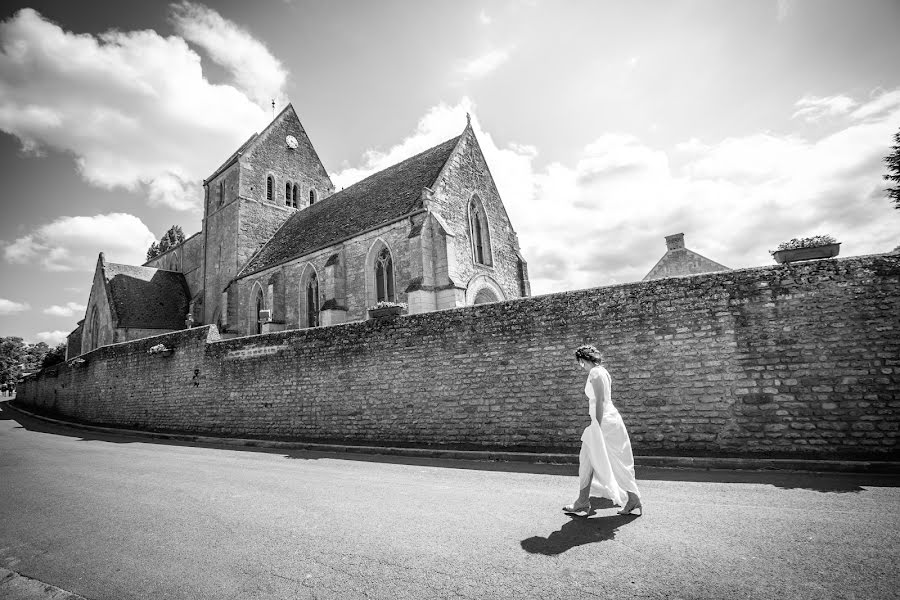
(579, 531)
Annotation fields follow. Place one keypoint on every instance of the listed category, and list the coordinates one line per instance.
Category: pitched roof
(377, 199)
(146, 297)
(681, 261)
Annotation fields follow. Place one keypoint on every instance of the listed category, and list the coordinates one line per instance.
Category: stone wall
(789, 360)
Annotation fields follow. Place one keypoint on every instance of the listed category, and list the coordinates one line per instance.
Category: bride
(606, 465)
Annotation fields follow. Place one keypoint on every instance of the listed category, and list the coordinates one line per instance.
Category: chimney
(675, 241)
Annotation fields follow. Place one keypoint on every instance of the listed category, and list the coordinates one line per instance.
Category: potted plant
(808, 248)
(160, 350)
(386, 310)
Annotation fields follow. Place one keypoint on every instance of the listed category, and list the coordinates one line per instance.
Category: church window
(384, 277)
(479, 234)
(260, 306)
(294, 199)
(312, 197)
(312, 301)
(221, 193)
(95, 329)
(270, 188)
(287, 193)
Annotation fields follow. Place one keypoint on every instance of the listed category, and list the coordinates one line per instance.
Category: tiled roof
(146, 297)
(379, 198)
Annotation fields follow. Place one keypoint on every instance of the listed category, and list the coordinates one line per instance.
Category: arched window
(294, 198)
(95, 329)
(312, 301)
(260, 306)
(270, 187)
(287, 193)
(312, 196)
(479, 234)
(221, 192)
(384, 277)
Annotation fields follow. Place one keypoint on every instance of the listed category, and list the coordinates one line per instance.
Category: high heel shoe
(572, 510)
(628, 511)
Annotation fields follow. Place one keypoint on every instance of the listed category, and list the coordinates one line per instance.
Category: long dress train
(605, 447)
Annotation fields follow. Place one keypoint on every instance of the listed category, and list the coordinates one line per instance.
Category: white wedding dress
(606, 462)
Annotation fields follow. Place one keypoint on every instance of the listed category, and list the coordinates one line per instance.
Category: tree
(54, 356)
(17, 356)
(169, 240)
(11, 351)
(893, 174)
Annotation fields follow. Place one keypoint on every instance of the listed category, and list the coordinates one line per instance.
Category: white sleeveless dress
(606, 462)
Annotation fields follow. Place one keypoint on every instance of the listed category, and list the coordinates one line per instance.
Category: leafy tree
(54, 356)
(11, 351)
(893, 174)
(17, 356)
(170, 239)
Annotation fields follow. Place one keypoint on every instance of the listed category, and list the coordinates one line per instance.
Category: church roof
(378, 199)
(146, 297)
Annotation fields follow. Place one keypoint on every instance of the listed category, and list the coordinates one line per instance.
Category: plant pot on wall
(385, 313)
(799, 254)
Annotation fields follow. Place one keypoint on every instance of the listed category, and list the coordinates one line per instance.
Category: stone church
(279, 248)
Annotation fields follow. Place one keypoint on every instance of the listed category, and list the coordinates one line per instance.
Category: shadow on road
(819, 482)
(579, 531)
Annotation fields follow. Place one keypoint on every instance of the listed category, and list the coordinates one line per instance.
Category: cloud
(484, 18)
(256, 72)
(480, 66)
(73, 243)
(134, 108)
(8, 307)
(878, 107)
(52, 338)
(601, 218)
(813, 108)
(69, 310)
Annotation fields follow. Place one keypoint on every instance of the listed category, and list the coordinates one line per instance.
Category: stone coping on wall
(676, 462)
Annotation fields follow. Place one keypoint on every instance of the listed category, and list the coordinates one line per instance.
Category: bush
(807, 242)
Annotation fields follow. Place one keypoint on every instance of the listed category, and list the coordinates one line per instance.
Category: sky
(607, 125)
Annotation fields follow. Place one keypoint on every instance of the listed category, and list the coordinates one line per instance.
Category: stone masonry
(798, 360)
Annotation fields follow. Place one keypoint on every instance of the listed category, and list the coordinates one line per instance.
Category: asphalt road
(112, 518)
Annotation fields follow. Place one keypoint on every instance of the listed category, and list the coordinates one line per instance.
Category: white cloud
(814, 108)
(52, 338)
(879, 106)
(484, 18)
(478, 67)
(257, 73)
(73, 243)
(69, 310)
(135, 108)
(602, 218)
(8, 307)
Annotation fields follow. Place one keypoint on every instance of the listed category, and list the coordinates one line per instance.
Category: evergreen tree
(169, 240)
(893, 174)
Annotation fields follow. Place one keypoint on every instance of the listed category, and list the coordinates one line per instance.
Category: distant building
(678, 260)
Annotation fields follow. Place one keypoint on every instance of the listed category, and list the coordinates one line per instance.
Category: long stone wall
(788, 360)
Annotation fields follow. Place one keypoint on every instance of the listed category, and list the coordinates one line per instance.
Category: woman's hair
(589, 353)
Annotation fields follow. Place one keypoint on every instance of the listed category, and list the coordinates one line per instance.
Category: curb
(20, 587)
(668, 462)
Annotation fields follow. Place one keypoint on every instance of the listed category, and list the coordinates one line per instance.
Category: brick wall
(788, 360)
